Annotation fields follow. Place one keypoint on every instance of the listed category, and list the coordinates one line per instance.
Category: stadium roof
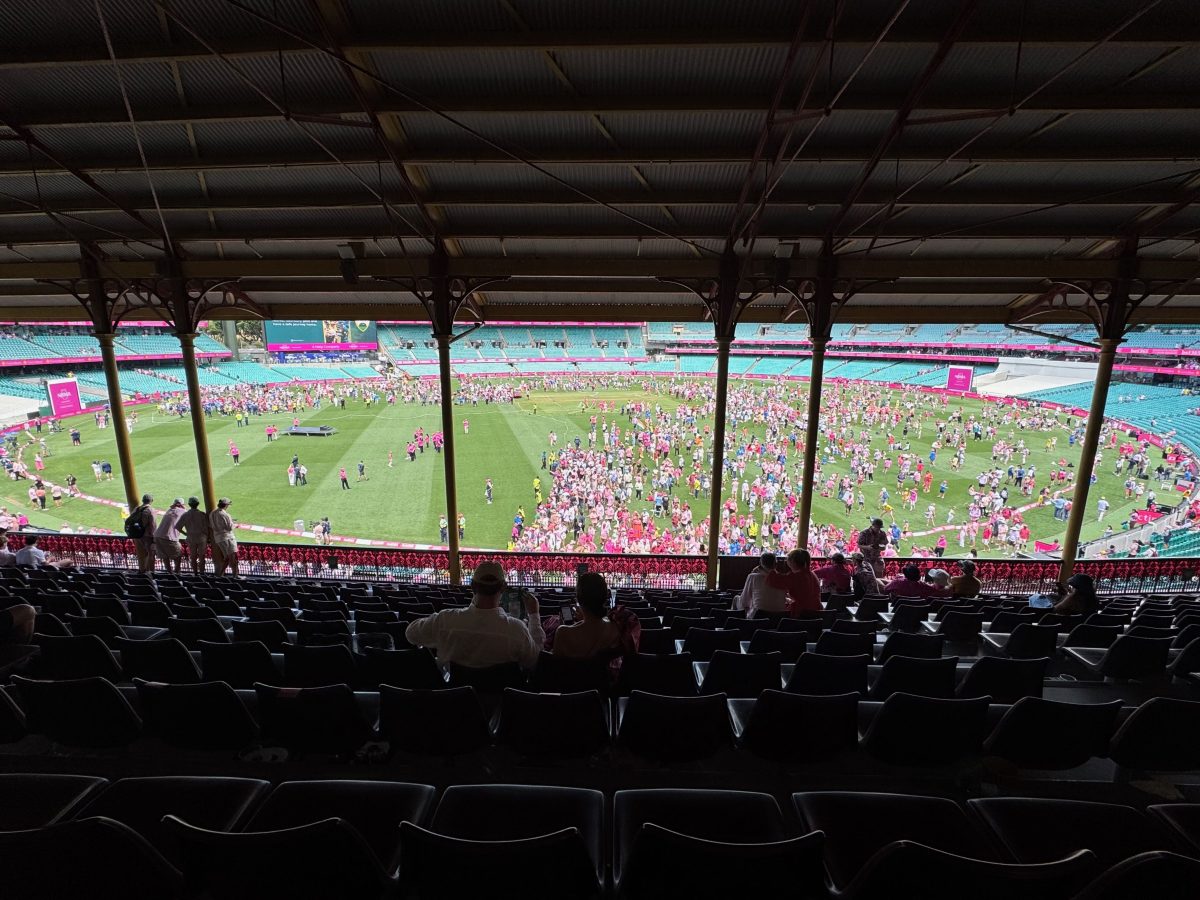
(956, 156)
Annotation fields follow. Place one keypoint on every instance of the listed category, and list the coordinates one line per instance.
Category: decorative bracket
(443, 296)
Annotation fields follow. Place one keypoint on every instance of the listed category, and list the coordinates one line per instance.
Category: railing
(550, 570)
(547, 570)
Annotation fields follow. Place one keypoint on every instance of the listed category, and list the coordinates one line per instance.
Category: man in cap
(144, 545)
(966, 585)
(194, 524)
(220, 531)
(166, 537)
(482, 634)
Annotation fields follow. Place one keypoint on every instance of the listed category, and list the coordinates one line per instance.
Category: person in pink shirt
(909, 584)
(803, 589)
(835, 575)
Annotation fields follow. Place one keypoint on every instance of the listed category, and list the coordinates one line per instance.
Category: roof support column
(187, 343)
(1087, 456)
(821, 308)
(443, 296)
(116, 406)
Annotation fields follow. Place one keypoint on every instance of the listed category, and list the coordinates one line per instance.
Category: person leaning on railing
(224, 544)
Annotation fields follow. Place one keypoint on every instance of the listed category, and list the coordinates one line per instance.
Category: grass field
(403, 503)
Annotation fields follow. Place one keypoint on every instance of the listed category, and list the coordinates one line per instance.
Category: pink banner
(958, 378)
(64, 397)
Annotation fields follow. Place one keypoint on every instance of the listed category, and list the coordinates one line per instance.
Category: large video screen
(306, 335)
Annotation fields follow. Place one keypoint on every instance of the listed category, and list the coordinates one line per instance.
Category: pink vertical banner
(958, 378)
(64, 397)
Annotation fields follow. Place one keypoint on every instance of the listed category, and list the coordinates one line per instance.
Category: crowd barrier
(553, 570)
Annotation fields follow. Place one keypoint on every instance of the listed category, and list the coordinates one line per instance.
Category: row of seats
(168, 837)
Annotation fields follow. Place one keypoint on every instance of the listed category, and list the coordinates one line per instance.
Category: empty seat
(159, 660)
(1006, 621)
(317, 666)
(449, 722)
(960, 625)
(674, 728)
(668, 675)
(222, 804)
(1128, 657)
(508, 841)
(1028, 641)
(1038, 830)
(270, 632)
(374, 809)
(555, 725)
(709, 844)
(855, 626)
(84, 656)
(36, 800)
(192, 631)
(1092, 636)
(106, 605)
(909, 616)
(1045, 734)
(917, 646)
(1157, 874)
(1163, 734)
(819, 673)
(205, 716)
(1181, 818)
(797, 727)
(149, 613)
(415, 668)
(560, 675)
(911, 730)
(81, 712)
(836, 643)
(740, 674)
(702, 643)
(656, 640)
(923, 677)
(91, 857)
(1187, 662)
(239, 664)
(101, 626)
(789, 645)
(286, 617)
(1004, 680)
(319, 719)
(326, 860)
(309, 630)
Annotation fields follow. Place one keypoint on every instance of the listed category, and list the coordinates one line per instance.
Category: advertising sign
(959, 378)
(310, 336)
(64, 396)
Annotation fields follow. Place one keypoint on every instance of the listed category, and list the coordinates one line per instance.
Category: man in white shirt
(482, 634)
(31, 554)
(7, 557)
(757, 594)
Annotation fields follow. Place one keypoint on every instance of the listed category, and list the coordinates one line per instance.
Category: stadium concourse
(720, 268)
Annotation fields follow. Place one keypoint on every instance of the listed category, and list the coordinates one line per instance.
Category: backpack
(135, 524)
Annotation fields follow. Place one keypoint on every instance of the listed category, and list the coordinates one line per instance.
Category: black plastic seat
(1128, 657)
(1162, 735)
(674, 728)
(908, 616)
(822, 674)
(656, 641)
(710, 844)
(1100, 636)
(285, 616)
(856, 626)
(1038, 830)
(1109, 619)
(1030, 641)
(668, 674)
(149, 613)
(1006, 621)
(239, 664)
(960, 625)
(374, 809)
(790, 645)
(192, 631)
(318, 719)
(222, 804)
(789, 727)
(1046, 734)
(80, 712)
(309, 630)
(507, 841)
(911, 730)
(159, 660)
(446, 723)
(318, 666)
(741, 674)
(702, 643)
(810, 627)
(414, 668)
(269, 631)
(326, 860)
(859, 824)
(45, 623)
(1186, 636)
(1184, 820)
(561, 675)
(1187, 662)
(912, 675)
(91, 857)
(915, 646)
(192, 611)
(553, 725)
(205, 716)
(489, 679)
(107, 605)
(82, 656)
(836, 643)
(1157, 874)
(103, 627)
(1004, 680)
(36, 800)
